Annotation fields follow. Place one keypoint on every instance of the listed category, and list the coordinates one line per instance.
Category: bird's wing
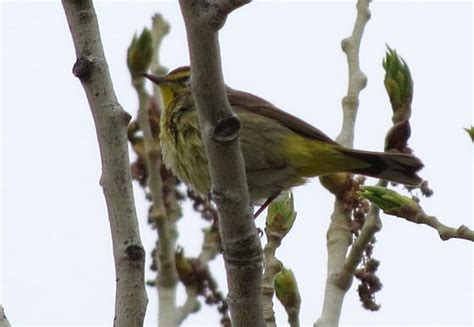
(262, 107)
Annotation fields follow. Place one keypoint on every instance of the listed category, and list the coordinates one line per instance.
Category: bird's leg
(265, 205)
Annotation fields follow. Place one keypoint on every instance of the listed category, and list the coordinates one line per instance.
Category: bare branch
(3, 318)
(445, 232)
(167, 277)
(402, 206)
(357, 79)
(339, 236)
(160, 28)
(190, 305)
(111, 124)
(209, 251)
(220, 130)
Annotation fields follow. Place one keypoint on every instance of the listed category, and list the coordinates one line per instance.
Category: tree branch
(272, 267)
(372, 225)
(165, 222)
(339, 236)
(395, 204)
(220, 130)
(111, 125)
(410, 210)
(160, 28)
(357, 79)
(190, 305)
(3, 318)
(445, 232)
(209, 251)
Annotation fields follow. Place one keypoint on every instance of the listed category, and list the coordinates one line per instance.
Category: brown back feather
(262, 107)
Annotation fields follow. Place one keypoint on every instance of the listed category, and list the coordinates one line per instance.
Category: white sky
(56, 259)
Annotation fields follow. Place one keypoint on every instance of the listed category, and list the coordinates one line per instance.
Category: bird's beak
(155, 79)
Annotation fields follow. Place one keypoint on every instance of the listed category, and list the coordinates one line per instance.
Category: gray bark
(220, 130)
(111, 125)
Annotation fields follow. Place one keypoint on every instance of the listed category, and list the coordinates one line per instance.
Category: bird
(280, 151)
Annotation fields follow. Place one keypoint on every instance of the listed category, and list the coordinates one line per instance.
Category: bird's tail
(395, 167)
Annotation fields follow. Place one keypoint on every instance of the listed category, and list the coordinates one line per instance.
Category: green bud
(470, 131)
(399, 84)
(140, 53)
(281, 215)
(286, 289)
(390, 201)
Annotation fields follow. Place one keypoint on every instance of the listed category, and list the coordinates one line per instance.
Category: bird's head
(173, 84)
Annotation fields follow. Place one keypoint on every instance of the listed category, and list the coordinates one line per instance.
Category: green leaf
(140, 53)
(470, 131)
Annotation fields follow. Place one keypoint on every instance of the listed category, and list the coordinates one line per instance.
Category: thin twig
(160, 28)
(190, 305)
(167, 277)
(111, 125)
(445, 232)
(372, 225)
(209, 251)
(357, 79)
